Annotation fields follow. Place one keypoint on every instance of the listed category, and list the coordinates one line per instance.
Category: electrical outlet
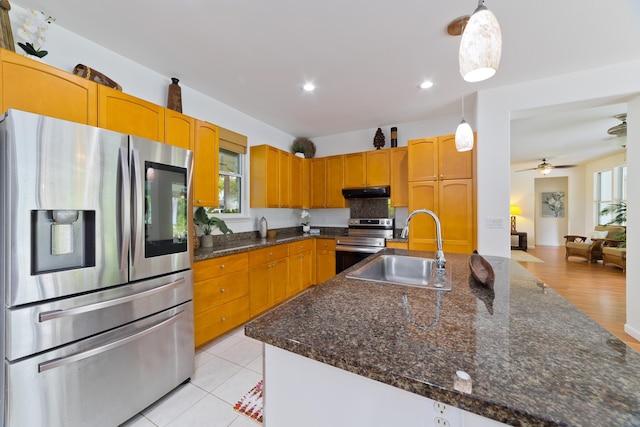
(441, 422)
(440, 408)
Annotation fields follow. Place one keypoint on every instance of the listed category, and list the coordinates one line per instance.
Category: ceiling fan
(545, 167)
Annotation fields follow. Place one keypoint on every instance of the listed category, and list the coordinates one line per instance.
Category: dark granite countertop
(230, 244)
(534, 358)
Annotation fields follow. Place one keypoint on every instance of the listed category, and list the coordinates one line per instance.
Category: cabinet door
(378, 172)
(399, 177)
(317, 176)
(278, 281)
(295, 274)
(325, 265)
(284, 179)
(297, 198)
(258, 289)
(422, 230)
(423, 159)
(124, 113)
(35, 87)
(453, 164)
(179, 129)
(334, 197)
(205, 165)
(273, 188)
(456, 213)
(355, 170)
(307, 269)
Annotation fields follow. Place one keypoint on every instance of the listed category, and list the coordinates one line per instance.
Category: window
(230, 182)
(610, 187)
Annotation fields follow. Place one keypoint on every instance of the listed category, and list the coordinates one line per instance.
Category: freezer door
(65, 215)
(103, 380)
(35, 328)
(161, 209)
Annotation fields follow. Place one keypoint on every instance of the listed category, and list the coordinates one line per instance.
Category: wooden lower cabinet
(325, 259)
(221, 296)
(268, 277)
(397, 245)
(300, 266)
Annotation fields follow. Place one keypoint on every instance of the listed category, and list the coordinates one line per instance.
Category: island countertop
(533, 357)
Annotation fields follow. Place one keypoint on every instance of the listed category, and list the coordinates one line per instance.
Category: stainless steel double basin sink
(403, 270)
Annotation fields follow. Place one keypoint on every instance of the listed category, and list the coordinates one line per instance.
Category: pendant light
(464, 134)
(480, 46)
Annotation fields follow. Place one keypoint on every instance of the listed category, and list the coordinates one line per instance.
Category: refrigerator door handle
(124, 197)
(56, 314)
(137, 204)
(61, 361)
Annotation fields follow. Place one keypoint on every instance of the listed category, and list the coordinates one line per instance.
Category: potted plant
(305, 219)
(208, 223)
(304, 146)
(618, 211)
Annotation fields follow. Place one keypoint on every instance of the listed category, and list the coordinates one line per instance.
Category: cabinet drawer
(300, 247)
(272, 253)
(219, 290)
(215, 322)
(216, 267)
(326, 244)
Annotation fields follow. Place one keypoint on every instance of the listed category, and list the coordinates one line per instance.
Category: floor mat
(522, 256)
(251, 403)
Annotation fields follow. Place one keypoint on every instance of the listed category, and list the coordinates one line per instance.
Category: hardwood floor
(599, 292)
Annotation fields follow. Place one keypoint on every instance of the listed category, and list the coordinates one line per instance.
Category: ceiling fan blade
(565, 166)
(524, 170)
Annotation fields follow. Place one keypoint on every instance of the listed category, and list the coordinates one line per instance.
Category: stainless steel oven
(365, 237)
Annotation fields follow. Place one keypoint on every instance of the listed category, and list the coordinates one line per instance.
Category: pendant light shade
(464, 134)
(480, 46)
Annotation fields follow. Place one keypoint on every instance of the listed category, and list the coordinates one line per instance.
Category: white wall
(550, 231)
(493, 111)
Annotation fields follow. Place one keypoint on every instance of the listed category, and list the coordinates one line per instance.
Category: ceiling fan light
(480, 46)
(464, 137)
(545, 170)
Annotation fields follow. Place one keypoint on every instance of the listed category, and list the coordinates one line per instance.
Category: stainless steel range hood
(383, 192)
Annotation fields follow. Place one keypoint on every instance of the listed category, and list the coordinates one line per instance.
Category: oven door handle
(359, 249)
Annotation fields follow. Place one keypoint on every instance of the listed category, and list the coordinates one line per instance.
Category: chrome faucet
(440, 259)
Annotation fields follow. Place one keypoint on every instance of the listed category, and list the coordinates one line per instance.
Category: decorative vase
(306, 228)
(394, 136)
(206, 241)
(263, 227)
(174, 98)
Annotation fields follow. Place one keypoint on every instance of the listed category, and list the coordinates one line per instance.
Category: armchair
(590, 247)
(613, 254)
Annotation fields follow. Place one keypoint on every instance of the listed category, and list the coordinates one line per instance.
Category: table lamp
(514, 210)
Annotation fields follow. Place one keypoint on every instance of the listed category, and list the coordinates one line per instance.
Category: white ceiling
(366, 58)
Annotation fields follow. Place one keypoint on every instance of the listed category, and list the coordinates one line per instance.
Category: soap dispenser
(262, 227)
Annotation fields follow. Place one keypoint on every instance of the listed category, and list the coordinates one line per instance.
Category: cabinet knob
(441, 176)
(221, 265)
(222, 291)
(199, 201)
(223, 319)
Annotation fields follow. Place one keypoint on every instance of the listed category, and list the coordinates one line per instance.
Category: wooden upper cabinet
(378, 168)
(457, 215)
(298, 182)
(317, 184)
(355, 170)
(453, 164)
(38, 88)
(335, 182)
(179, 130)
(399, 177)
(423, 159)
(423, 195)
(270, 177)
(205, 164)
(125, 113)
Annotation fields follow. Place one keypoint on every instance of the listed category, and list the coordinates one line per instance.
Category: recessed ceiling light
(309, 87)
(425, 84)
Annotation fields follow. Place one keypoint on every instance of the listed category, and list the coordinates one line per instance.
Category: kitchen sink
(403, 270)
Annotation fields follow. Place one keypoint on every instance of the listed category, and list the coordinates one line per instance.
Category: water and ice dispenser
(62, 240)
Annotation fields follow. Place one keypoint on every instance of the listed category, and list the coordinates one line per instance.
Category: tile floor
(225, 370)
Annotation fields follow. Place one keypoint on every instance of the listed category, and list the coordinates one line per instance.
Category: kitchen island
(533, 357)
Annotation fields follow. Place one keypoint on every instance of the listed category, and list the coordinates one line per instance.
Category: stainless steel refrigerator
(95, 272)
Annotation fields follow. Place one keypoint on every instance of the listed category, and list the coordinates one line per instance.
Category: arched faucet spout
(440, 259)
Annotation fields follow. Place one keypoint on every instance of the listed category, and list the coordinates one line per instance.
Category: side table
(522, 241)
